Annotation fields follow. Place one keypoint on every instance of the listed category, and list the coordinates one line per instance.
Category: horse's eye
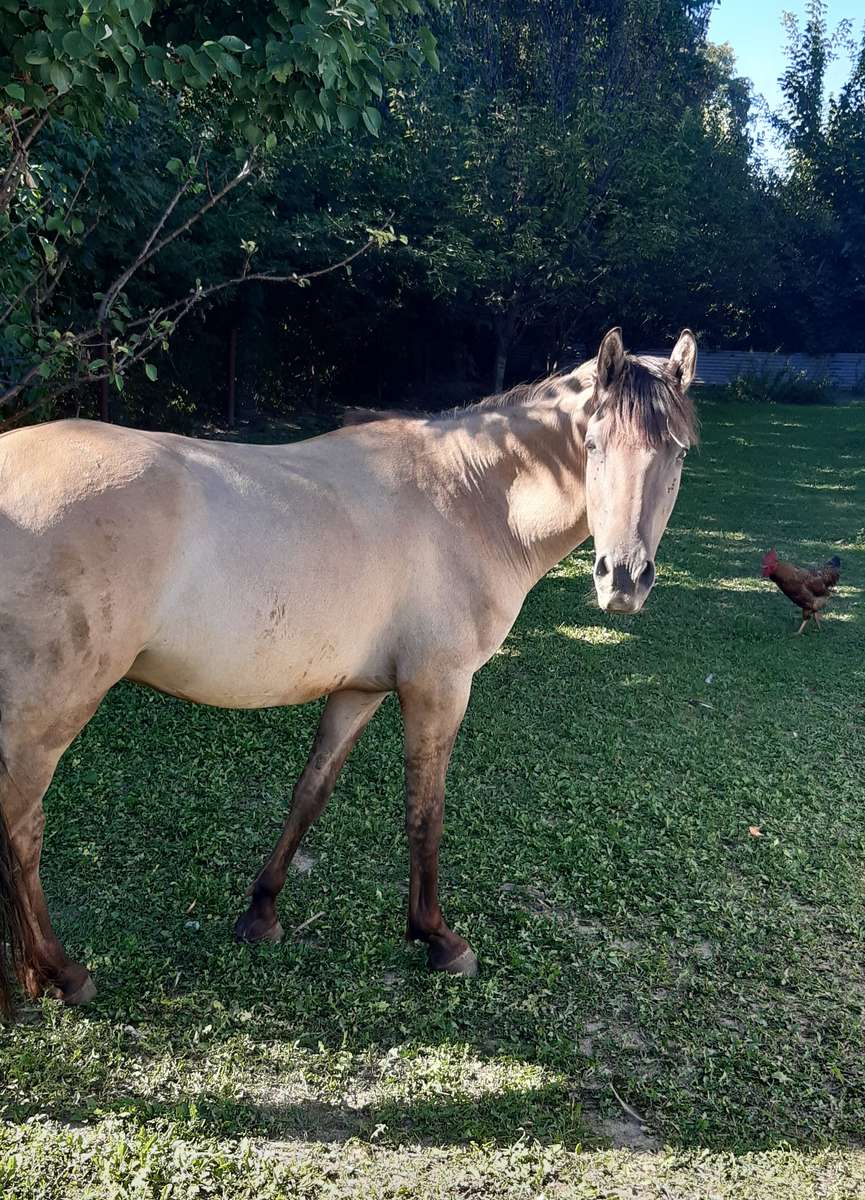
(591, 445)
(681, 456)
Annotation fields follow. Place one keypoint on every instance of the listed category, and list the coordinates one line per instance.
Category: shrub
(767, 385)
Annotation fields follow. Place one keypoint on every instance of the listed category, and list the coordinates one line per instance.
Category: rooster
(807, 587)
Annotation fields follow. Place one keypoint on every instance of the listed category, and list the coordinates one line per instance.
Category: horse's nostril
(647, 575)
(602, 567)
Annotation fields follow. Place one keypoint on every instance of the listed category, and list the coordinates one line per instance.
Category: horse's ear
(611, 358)
(683, 360)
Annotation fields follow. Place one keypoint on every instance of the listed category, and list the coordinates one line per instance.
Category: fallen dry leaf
(755, 831)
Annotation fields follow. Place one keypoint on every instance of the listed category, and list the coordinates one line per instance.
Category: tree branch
(12, 175)
(152, 247)
(37, 281)
(172, 313)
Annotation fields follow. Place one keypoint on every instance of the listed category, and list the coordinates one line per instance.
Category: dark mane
(366, 416)
(518, 396)
(648, 405)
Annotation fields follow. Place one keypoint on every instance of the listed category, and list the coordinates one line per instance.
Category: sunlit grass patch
(714, 535)
(743, 583)
(825, 487)
(597, 635)
(572, 567)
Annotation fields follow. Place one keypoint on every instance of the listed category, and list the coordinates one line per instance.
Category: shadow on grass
(548, 1114)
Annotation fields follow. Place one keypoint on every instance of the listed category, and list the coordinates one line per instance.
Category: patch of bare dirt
(302, 862)
(623, 1132)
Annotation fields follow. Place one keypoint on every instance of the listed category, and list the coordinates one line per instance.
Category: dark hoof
(75, 986)
(465, 963)
(252, 929)
(82, 995)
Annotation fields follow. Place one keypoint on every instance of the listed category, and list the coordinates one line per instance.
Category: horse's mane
(647, 405)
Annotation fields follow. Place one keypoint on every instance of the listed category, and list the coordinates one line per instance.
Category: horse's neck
(531, 458)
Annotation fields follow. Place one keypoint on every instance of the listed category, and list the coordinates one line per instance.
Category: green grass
(637, 943)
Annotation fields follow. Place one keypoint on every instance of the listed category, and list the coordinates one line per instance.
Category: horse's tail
(15, 933)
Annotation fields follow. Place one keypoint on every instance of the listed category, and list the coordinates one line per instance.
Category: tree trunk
(503, 325)
(250, 332)
(231, 397)
(501, 366)
(104, 394)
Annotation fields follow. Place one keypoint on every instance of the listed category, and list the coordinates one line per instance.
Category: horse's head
(640, 425)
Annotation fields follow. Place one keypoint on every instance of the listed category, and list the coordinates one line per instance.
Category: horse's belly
(256, 672)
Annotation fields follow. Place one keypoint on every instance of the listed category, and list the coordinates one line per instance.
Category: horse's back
(232, 574)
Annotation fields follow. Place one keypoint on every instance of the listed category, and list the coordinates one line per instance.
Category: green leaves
(348, 117)
(150, 371)
(60, 76)
(307, 63)
(140, 11)
(76, 45)
(234, 44)
(372, 120)
(286, 67)
(428, 45)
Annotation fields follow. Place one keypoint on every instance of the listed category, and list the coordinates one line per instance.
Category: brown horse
(392, 556)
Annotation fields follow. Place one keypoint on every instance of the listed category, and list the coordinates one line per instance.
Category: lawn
(655, 841)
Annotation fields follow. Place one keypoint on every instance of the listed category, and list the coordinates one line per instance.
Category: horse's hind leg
(344, 719)
(432, 719)
(26, 768)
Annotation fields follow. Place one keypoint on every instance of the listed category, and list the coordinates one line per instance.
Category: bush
(766, 385)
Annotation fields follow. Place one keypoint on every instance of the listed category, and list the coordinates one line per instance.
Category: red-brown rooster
(807, 587)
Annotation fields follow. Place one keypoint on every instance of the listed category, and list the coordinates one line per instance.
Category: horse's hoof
(252, 930)
(465, 963)
(81, 995)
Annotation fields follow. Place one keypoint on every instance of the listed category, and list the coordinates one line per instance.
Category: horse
(392, 555)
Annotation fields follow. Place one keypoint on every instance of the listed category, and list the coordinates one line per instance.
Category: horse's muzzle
(621, 587)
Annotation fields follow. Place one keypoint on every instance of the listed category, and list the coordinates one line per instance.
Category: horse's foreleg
(432, 720)
(344, 719)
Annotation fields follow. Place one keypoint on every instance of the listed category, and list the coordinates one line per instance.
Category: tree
(822, 226)
(243, 74)
(530, 143)
(288, 63)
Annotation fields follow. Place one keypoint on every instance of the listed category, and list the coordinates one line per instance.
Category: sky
(753, 28)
